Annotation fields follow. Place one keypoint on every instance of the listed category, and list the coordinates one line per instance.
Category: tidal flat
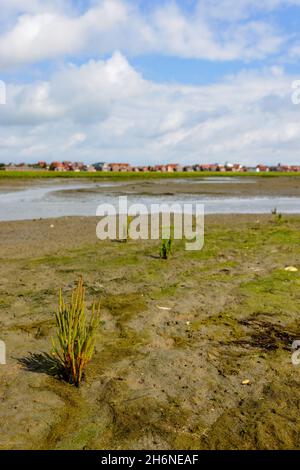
(194, 352)
(50, 198)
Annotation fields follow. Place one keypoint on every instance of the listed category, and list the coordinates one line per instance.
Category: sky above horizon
(150, 81)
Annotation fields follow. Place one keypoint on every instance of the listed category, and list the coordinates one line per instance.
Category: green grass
(148, 175)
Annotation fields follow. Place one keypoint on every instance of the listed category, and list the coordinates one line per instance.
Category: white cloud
(105, 110)
(48, 34)
(49, 30)
(75, 139)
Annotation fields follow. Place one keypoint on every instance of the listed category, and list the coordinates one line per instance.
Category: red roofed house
(120, 167)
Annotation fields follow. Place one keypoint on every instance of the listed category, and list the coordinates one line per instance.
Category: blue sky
(150, 81)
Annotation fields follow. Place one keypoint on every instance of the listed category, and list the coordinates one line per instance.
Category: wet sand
(288, 186)
(178, 340)
(252, 187)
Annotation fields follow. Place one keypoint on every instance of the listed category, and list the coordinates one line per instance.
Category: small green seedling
(166, 247)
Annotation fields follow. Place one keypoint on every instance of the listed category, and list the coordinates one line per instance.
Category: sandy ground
(177, 341)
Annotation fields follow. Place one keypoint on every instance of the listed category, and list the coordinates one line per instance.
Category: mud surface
(287, 186)
(233, 187)
(177, 341)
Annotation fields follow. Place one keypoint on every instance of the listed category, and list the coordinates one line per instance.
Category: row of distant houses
(165, 168)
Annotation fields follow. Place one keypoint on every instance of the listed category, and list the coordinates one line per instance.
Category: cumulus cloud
(105, 110)
(212, 30)
(50, 34)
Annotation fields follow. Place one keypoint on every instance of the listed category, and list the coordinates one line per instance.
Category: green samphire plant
(277, 215)
(76, 334)
(166, 247)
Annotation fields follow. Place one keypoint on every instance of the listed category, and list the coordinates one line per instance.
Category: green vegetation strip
(129, 175)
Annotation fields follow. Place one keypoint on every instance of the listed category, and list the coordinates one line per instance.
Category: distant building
(170, 167)
(78, 166)
(101, 166)
(221, 168)
(57, 166)
(237, 167)
(120, 167)
(283, 168)
(251, 169)
(260, 168)
(160, 168)
(67, 166)
(21, 167)
(143, 169)
(89, 168)
(206, 167)
(188, 168)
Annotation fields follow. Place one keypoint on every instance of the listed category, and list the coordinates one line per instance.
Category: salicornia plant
(76, 334)
(166, 248)
(277, 215)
